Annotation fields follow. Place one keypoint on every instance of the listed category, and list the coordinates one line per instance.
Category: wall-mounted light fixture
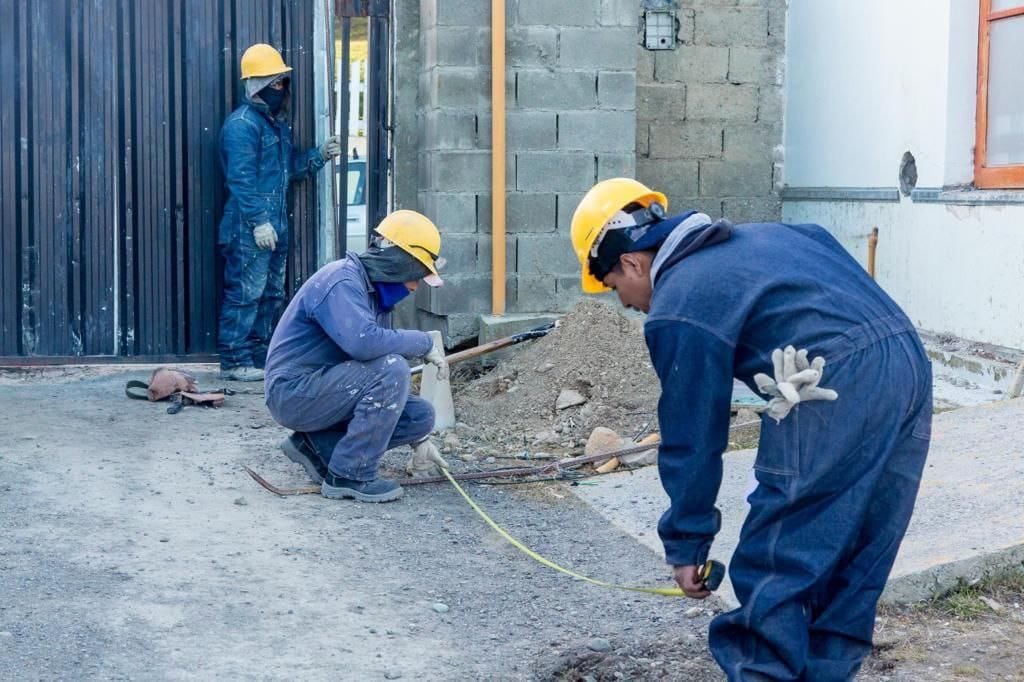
(659, 24)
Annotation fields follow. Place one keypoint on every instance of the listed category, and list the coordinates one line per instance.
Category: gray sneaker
(377, 490)
(241, 374)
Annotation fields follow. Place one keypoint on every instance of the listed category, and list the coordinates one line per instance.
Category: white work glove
(436, 358)
(266, 236)
(796, 381)
(331, 148)
(425, 461)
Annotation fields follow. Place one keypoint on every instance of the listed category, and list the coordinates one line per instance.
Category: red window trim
(997, 177)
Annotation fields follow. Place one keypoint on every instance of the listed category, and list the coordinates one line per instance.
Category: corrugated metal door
(110, 183)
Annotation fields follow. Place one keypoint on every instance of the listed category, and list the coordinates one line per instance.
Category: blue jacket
(718, 314)
(336, 317)
(259, 161)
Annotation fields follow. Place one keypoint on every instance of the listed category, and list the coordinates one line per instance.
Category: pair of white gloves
(796, 381)
(264, 233)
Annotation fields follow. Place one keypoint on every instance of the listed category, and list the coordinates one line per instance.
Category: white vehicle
(355, 230)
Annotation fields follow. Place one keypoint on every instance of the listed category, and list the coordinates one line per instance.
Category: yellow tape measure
(663, 591)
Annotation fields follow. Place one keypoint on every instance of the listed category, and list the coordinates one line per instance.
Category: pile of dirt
(596, 359)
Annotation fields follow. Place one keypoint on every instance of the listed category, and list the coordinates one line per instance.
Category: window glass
(1006, 93)
(1000, 5)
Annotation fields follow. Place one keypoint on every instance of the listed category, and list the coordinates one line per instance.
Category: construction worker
(259, 162)
(836, 476)
(336, 370)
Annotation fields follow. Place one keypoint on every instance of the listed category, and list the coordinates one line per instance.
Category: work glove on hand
(266, 236)
(796, 380)
(425, 461)
(331, 148)
(436, 358)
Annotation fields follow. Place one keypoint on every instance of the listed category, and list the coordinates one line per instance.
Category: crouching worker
(337, 372)
(837, 468)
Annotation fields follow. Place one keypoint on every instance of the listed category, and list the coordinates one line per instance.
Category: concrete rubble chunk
(569, 398)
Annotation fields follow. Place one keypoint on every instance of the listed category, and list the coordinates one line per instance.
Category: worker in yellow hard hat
(337, 372)
(259, 161)
(837, 469)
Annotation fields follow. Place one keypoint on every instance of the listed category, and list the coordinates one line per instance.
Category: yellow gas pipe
(498, 157)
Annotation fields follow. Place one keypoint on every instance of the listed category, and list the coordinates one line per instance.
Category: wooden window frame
(997, 177)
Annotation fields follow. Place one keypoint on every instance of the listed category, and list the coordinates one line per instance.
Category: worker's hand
(331, 148)
(436, 358)
(688, 579)
(265, 236)
(425, 461)
(796, 380)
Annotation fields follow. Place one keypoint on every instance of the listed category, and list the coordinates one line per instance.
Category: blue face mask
(390, 294)
(273, 98)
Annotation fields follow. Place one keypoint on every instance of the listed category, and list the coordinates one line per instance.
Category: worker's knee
(394, 375)
(420, 414)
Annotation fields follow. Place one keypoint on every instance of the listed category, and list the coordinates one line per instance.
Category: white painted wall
(868, 81)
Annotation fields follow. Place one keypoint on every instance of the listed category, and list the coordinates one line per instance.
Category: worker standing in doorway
(259, 162)
(337, 373)
(837, 469)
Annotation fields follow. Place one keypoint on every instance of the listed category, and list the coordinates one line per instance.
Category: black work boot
(377, 490)
(300, 451)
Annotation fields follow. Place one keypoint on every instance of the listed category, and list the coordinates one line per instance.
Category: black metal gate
(377, 122)
(110, 183)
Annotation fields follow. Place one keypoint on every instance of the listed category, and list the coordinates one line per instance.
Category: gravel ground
(132, 546)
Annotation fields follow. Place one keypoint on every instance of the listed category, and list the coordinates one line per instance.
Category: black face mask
(273, 98)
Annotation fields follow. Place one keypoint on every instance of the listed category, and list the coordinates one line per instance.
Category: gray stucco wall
(709, 113)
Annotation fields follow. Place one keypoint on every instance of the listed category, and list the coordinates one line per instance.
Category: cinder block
(661, 102)
(620, 13)
(568, 294)
(643, 138)
(598, 48)
(463, 170)
(685, 140)
(458, 86)
(454, 46)
(555, 171)
(546, 255)
(535, 295)
(597, 130)
(754, 65)
(714, 102)
(777, 26)
(692, 64)
(466, 294)
(461, 251)
(615, 166)
(448, 129)
(548, 13)
(735, 178)
(769, 104)
(558, 90)
(567, 204)
(462, 13)
(753, 209)
(529, 46)
(530, 130)
(616, 90)
(751, 142)
(453, 213)
(485, 253)
(530, 212)
(732, 26)
(687, 29)
(674, 177)
(645, 65)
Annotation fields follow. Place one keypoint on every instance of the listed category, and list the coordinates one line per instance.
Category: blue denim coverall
(259, 161)
(836, 480)
(336, 370)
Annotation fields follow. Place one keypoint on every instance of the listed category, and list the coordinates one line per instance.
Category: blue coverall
(259, 161)
(836, 480)
(336, 370)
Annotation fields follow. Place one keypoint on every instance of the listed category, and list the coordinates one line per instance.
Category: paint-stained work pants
(837, 483)
(352, 412)
(253, 293)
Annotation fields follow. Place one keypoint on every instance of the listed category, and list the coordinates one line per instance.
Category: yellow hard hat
(262, 60)
(417, 235)
(597, 207)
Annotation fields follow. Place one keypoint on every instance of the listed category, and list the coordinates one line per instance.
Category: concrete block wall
(709, 113)
(571, 121)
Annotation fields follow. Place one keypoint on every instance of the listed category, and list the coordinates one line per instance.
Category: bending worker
(336, 370)
(836, 478)
(259, 162)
